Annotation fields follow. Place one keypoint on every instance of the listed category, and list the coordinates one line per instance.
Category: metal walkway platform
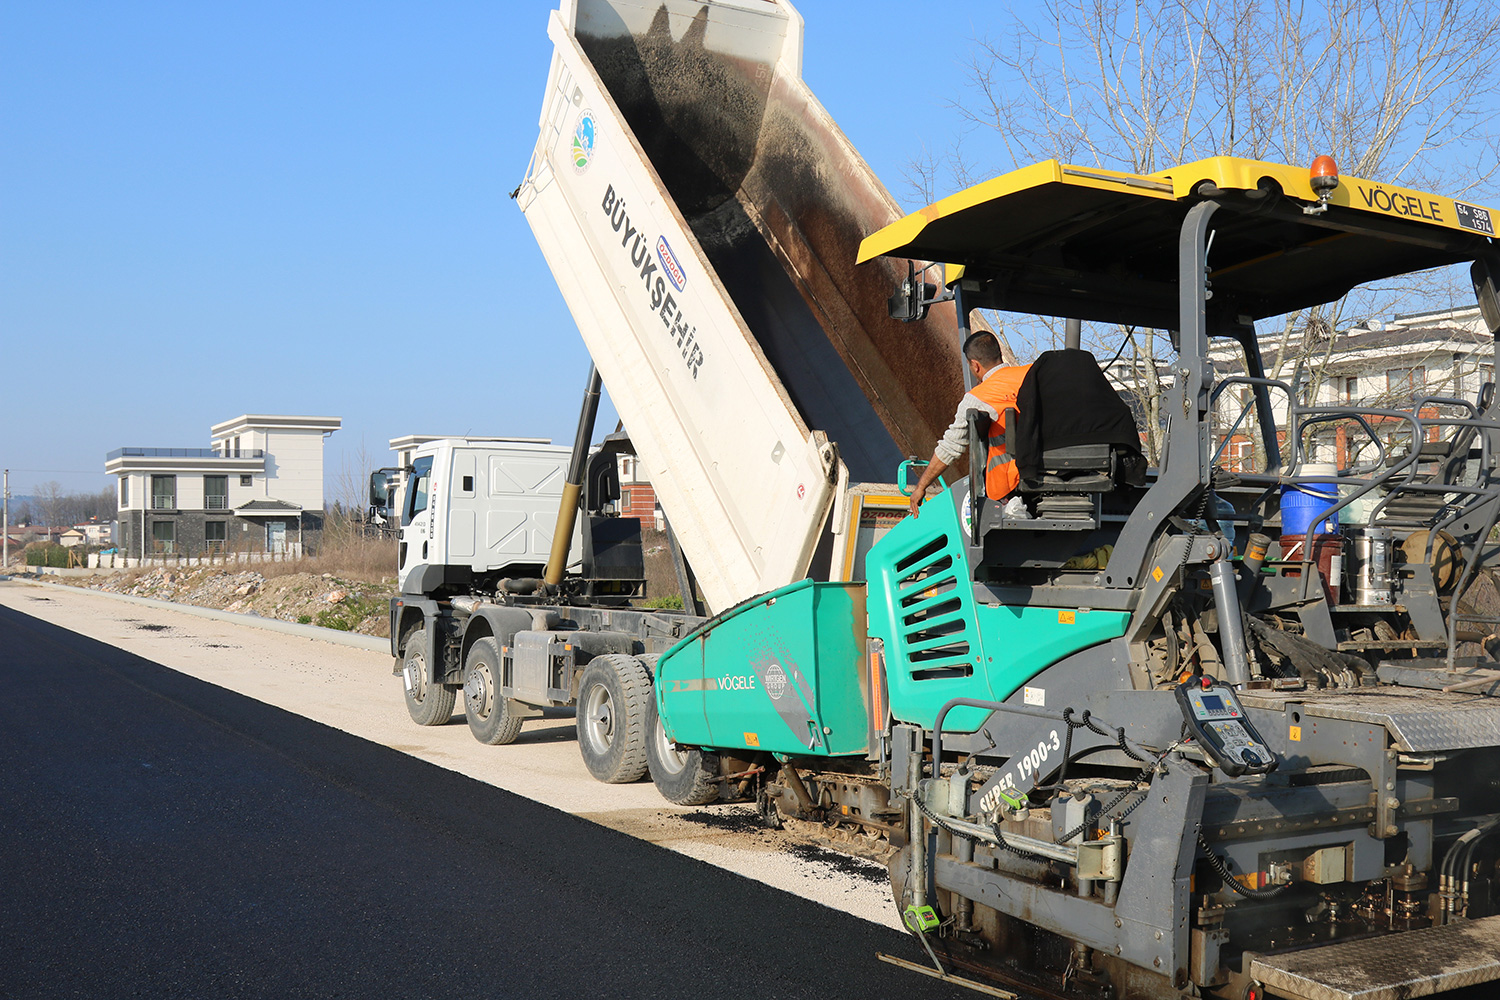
(1425, 962)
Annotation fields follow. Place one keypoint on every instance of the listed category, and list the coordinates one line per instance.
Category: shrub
(45, 554)
(671, 602)
(346, 617)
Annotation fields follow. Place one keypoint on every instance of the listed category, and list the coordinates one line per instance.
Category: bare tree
(1392, 89)
(351, 484)
(1395, 90)
(106, 503)
(49, 501)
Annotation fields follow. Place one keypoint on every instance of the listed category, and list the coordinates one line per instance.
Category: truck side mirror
(908, 475)
(1484, 291)
(380, 489)
(912, 297)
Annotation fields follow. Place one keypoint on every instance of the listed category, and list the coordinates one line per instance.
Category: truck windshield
(416, 497)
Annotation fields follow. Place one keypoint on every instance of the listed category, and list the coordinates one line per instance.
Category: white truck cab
(477, 511)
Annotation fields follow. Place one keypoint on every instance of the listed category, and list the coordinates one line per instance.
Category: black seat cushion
(1066, 402)
(1093, 457)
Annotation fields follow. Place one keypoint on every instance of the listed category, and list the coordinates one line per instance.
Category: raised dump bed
(702, 214)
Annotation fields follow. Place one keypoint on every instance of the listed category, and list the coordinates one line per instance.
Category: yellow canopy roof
(1064, 240)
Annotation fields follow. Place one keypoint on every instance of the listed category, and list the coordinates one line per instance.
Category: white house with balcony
(257, 487)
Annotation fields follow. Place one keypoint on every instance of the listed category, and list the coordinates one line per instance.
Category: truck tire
(491, 718)
(688, 777)
(428, 704)
(613, 698)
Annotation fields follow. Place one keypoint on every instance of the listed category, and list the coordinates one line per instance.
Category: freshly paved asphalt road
(163, 837)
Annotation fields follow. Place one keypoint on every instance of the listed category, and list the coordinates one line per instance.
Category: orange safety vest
(999, 390)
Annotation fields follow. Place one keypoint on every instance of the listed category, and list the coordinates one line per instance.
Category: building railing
(164, 501)
(215, 502)
(184, 453)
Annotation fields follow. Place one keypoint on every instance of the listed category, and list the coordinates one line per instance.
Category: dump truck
(700, 213)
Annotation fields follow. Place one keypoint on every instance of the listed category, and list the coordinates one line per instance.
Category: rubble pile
(309, 598)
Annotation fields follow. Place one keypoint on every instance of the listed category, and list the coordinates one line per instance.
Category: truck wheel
(429, 704)
(490, 716)
(684, 777)
(613, 698)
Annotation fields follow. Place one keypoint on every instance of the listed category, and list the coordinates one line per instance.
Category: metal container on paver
(1372, 565)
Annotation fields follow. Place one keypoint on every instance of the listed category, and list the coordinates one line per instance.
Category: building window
(1405, 383)
(163, 492)
(236, 446)
(163, 537)
(215, 492)
(1351, 389)
(247, 480)
(124, 492)
(214, 535)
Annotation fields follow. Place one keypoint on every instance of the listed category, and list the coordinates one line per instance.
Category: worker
(995, 388)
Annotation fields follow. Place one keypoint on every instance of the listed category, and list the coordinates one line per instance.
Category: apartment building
(257, 487)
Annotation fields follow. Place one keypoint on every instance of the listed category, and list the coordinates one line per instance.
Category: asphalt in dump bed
(167, 838)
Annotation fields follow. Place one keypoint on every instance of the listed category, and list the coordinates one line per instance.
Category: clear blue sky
(211, 209)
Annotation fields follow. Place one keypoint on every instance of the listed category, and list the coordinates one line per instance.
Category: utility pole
(5, 545)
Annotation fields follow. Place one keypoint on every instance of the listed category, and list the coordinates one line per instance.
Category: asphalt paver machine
(1121, 743)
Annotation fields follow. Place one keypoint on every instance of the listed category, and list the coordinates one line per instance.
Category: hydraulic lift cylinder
(567, 510)
(1231, 627)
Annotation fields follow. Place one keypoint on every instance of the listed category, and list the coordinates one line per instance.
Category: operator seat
(1072, 438)
(1073, 433)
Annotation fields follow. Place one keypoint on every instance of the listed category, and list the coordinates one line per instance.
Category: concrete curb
(333, 635)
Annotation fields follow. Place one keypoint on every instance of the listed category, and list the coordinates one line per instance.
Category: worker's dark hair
(983, 347)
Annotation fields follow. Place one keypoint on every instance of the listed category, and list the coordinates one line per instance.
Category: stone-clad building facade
(258, 487)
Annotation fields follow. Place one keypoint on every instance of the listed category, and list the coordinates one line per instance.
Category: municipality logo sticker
(583, 141)
(775, 681)
(669, 264)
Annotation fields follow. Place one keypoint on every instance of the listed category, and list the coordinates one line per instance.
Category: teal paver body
(940, 643)
(786, 671)
(782, 672)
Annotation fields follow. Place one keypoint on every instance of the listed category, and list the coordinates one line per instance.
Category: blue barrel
(1301, 502)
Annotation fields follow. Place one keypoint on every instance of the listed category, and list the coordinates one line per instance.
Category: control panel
(1218, 723)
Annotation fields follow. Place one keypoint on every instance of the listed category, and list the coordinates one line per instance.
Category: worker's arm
(950, 447)
(935, 468)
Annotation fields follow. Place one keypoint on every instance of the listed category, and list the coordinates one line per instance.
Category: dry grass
(346, 553)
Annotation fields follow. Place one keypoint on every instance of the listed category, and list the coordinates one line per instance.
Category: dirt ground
(308, 598)
(338, 600)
